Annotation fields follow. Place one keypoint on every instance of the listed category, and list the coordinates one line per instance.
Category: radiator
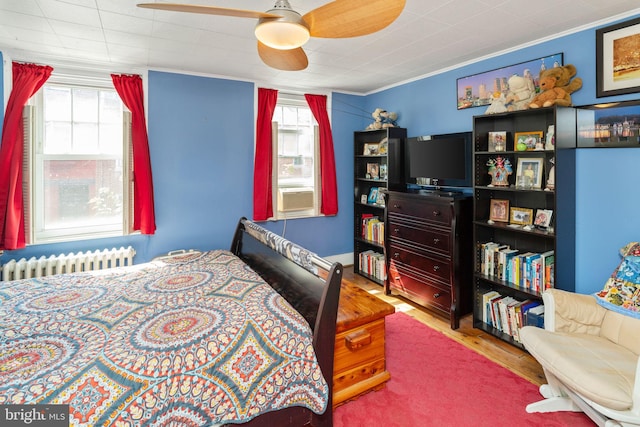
(67, 263)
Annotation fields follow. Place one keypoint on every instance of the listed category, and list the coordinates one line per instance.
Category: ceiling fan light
(288, 32)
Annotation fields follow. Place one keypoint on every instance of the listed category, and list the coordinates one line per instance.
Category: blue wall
(201, 134)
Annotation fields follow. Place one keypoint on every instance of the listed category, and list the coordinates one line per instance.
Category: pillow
(621, 292)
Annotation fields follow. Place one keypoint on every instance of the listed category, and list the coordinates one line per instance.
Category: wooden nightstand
(359, 362)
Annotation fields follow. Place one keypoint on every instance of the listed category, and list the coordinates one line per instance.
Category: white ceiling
(429, 35)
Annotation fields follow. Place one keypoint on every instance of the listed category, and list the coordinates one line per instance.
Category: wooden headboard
(309, 283)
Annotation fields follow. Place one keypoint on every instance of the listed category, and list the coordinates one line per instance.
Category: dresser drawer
(432, 266)
(420, 235)
(437, 213)
(419, 288)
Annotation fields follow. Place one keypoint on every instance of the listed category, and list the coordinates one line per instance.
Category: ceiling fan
(281, 31)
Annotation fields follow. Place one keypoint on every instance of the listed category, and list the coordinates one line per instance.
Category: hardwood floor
(518, 361)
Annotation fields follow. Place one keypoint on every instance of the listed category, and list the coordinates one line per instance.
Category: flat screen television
(439, 161)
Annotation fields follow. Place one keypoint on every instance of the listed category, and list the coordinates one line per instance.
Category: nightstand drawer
(420, 235)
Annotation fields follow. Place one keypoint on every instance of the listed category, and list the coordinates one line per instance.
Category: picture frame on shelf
(497, 141)
(521, 216)
(380, 197)
(363, 199)
(617, 73)
(373, 195)
(383, 146)
(550, 138)
(543, 218)
(373, 170)
(529, 172)
(383, 171)
(371, 149)
(528, 141)
(499, 210)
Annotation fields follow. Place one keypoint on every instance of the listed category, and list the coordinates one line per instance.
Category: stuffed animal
(497, 104)
(388, 119)
(557, 86)
(382, 119)
(521, 93)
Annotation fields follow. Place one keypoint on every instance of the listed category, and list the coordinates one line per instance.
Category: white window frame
(33, 168)
(295, 100)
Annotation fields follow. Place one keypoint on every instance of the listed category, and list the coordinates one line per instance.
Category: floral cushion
(621, 293)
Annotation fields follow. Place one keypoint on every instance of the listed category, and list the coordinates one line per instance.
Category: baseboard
(344, 259)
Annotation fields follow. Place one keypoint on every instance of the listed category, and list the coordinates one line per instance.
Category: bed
(240, 336)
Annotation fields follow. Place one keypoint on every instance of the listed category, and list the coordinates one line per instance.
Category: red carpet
(435, 381)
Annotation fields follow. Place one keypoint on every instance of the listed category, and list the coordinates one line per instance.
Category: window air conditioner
(295, 199)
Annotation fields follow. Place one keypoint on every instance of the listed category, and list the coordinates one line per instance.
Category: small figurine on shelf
(499, 169)
(551, 181)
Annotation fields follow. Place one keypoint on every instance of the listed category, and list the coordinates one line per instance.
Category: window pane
(110, 108)
(57, 137)
(85, 105)
(85, 138)
(289, 116)
(57, 104)
(80, 193)
(111, 138)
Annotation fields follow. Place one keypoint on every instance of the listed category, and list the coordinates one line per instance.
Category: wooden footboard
(312, 286)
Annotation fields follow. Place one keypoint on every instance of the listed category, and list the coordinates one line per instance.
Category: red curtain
(129, 87)
(262, 166)
(27, 80)
(318, 106)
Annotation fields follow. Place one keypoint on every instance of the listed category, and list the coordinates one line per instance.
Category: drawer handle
(397, 206)
(396, 230)
(436, 267)
(396, 255)
(357, 339)
(437, 295)
(436, 213)
(436, 241)
(397, 278)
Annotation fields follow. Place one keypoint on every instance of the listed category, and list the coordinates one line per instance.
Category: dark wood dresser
(429, 250)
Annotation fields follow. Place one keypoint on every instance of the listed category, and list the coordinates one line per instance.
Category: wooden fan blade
(287, 60)
(352, 18)
(211, 10)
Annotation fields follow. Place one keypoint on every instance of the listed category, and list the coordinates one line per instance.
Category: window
(76, 163)
(296, 180)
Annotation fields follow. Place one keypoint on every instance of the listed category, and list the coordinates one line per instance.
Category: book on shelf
(372, 228)
(548, 261)
(509, 314)
(486, 309)
(535, 316)
(373, 264)
(533, 271)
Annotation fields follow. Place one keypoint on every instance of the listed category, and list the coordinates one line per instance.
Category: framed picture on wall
(477, 90)
(617, 63)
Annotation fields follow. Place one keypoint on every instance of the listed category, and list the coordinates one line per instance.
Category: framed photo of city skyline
(617, 64)
(477, 90)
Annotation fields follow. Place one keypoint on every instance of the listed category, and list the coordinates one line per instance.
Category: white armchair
(590, 359)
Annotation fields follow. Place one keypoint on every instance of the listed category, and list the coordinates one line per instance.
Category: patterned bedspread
(199, 339)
